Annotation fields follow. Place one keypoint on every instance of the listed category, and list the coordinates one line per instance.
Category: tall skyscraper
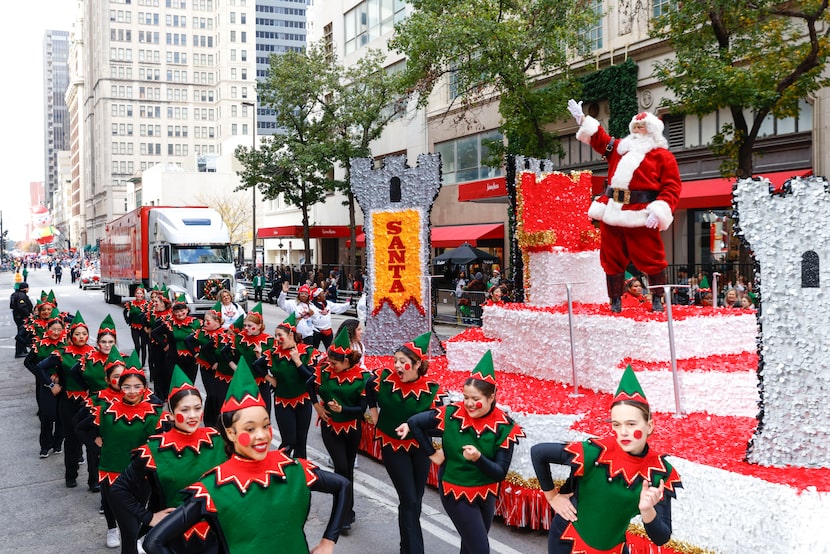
(164, 82)
(280, 28)
(55, 118)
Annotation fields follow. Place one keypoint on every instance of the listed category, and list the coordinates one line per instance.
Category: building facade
(55, 117)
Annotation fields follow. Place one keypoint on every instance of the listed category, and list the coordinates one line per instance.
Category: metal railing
(342, 295)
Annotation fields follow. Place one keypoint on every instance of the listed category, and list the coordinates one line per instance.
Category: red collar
(130, 412)
(73, 350)
(490, 422)
(242, 472)
(620, 463)
(96, 356)
(177, 440)
(259, 339)
(349, 376)
(280, 353)
(109, 395)
(416, 388)
(181, 323)
(43, 341)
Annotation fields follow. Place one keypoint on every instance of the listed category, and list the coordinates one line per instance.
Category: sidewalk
(39, 513)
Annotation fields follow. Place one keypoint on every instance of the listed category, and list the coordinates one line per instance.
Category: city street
(41, 515)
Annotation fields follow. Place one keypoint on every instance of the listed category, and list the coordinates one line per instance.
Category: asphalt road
(40, 515)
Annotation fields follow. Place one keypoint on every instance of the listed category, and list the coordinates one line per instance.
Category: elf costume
(62, 365)
(134, 314)
(43, 346)
(406, 463)
(177, 331)
(606, 483)
(121, 427)
(341, 429)
(244, 346)
(469, 489)
(92, 369)
(168, 463)
(292, 403)
(252, 505)
(214, 368)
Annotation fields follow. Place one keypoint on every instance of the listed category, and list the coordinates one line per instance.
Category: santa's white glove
(576, 110)
(651, 221)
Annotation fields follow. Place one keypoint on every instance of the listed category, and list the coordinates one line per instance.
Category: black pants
(257, 294)
(324, 337)
(408, 472)
(343, 450)
(19, 345)
(472, 521)
(51, 432)
(67, 409)
(216, 390)
(293, 424)
(187, 364)
(140, 343)
(109, 515)
(129, 525)
(155, 357)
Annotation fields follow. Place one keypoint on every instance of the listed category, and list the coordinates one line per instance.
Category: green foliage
(756, 55)
(497, 49)
(617, 84)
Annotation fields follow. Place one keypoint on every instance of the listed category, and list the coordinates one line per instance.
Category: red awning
(315, 231)
(456, 235)
(717, 193)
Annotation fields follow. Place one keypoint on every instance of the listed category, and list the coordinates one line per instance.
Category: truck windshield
(201, 254)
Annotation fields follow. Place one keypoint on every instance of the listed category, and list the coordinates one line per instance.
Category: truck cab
(191, 254)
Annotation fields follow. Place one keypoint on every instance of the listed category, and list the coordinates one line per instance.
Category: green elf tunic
(172, 461)
(181, 329)
(347, 388)
(488, 434)
(245, 344)
(610, 481)
(211, 343)
(134, 312)
(241, 498)
(123, 427)
(291, 389)
(70, 355)
(93, 372)
(399, 401)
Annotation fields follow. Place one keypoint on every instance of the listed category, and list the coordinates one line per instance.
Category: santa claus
(643, 193)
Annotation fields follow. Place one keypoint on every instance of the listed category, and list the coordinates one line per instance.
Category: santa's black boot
(657, 294)
(615, 283)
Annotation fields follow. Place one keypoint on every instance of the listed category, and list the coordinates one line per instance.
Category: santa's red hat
(653, 123)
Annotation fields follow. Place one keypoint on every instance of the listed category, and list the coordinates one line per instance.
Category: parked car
(90, 278)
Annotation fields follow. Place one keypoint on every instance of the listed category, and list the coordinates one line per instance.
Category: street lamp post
(253, 188)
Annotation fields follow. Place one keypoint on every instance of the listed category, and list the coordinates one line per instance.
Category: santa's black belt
(625, 196)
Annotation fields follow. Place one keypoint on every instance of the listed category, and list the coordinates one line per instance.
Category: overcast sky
(21, 100)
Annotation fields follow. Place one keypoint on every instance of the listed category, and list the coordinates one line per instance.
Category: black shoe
(44, 453)
(20, 355)
(616, 305)
(94, 488)
(57, 449)
(81, 461)
(71, 483)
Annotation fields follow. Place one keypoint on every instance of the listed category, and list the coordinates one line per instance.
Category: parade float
(739, 396)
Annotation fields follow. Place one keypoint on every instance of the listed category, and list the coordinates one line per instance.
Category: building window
(660, 7)
(370, 20)
(461, 158)
(593, 35)
(675, 131)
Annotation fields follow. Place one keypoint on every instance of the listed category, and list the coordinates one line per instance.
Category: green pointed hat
(179, 381)
(133, 365)
(217, 307)
(342, 345)
(133, 360)
(257, 308)
(238, 324)
(107, 326)
(243, 391)
(181, 298)
(289, 322)
(629, 388)
(114, 358)
(420, 346)
(42, 300)
(51, 298)
(77, 321)
(55, 314)
(483, 370)
(704, 283)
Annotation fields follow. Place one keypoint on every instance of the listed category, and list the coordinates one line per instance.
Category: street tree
(515, 52)
(360, 102)
(753, 57)
(235, 210)
(296, 162)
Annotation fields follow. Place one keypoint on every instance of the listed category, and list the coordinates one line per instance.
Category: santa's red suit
(644, 181)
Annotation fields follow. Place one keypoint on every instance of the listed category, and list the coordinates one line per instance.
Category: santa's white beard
(633, 149)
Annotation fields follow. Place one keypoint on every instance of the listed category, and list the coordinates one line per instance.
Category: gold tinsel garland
(678, 546)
